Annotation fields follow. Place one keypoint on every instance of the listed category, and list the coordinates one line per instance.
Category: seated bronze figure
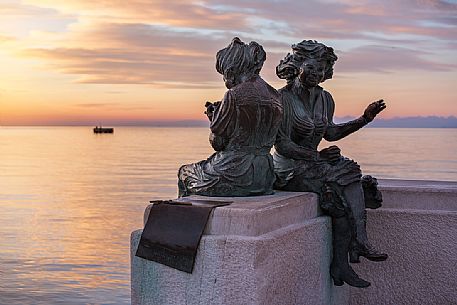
(308, 118)
(243, 130)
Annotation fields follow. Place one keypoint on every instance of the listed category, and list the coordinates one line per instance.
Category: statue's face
(312, 72)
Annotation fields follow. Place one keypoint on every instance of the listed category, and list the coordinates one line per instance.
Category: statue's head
(239, 62)
(311, 62)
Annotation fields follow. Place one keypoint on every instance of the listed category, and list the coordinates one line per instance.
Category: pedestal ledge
(419, 194)
(257, 215)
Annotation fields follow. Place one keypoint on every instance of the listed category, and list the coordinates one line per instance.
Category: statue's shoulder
(256, 84)
(325, 92)
(272, 91)
(241, 87)
(327, 96)
(285, 90)
(285, 94)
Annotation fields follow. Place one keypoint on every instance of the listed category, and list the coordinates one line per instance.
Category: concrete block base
(258, 251)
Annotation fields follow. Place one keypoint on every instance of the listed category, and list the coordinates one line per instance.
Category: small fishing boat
(100, 129)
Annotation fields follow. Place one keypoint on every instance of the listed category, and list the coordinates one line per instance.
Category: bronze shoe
(368, 252)
(347, 276)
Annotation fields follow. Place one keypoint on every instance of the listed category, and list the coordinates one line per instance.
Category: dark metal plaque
(173, 231)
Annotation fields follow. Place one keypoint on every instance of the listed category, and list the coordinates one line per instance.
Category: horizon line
(408, 120)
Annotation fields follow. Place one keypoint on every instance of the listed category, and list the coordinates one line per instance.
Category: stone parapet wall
(277, 250)
(417, 227)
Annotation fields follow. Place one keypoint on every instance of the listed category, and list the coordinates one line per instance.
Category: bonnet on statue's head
(240, 58)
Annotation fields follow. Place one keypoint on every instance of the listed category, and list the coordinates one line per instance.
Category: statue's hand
(373, 109)
(210, 108)
(332, 153)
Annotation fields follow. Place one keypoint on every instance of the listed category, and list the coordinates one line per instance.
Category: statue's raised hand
(331, 153)
(373, 109)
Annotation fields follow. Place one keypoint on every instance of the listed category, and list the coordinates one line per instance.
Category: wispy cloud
(115, 92)
(94, 105)
(5, 38)
(192, 14)
(15, 8)
(173, 43)
(352, 19)
(19, 19)
(113, 106)
(139, 54)
(388, 59)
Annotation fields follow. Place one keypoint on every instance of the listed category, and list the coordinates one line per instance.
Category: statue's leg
(342, 233)
(353, 193)
(339, 269)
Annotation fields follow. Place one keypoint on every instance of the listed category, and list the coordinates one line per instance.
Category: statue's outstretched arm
(336, 132)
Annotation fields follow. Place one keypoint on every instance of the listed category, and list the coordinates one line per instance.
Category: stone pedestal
(275, 250)
(266, 250)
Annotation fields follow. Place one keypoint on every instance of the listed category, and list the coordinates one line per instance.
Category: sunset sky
(125, 62)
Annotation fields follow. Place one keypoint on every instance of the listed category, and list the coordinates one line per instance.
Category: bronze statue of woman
(307, 119)
(243, 130)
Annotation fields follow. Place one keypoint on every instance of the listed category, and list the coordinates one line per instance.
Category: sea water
(70, 198)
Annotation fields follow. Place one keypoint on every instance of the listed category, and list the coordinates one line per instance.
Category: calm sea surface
(69, 198)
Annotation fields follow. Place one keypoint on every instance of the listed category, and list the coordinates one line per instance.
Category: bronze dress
(307, 119)
(243, 131)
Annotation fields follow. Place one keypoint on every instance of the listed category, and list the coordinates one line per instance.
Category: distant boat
(100, 129)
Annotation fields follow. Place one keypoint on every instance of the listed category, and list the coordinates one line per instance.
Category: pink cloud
(163, 58)
(194, 14)
(18, 9)
(352, 20)
(167, 56)
(5, 38)
(388, 59)
(139, 54)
